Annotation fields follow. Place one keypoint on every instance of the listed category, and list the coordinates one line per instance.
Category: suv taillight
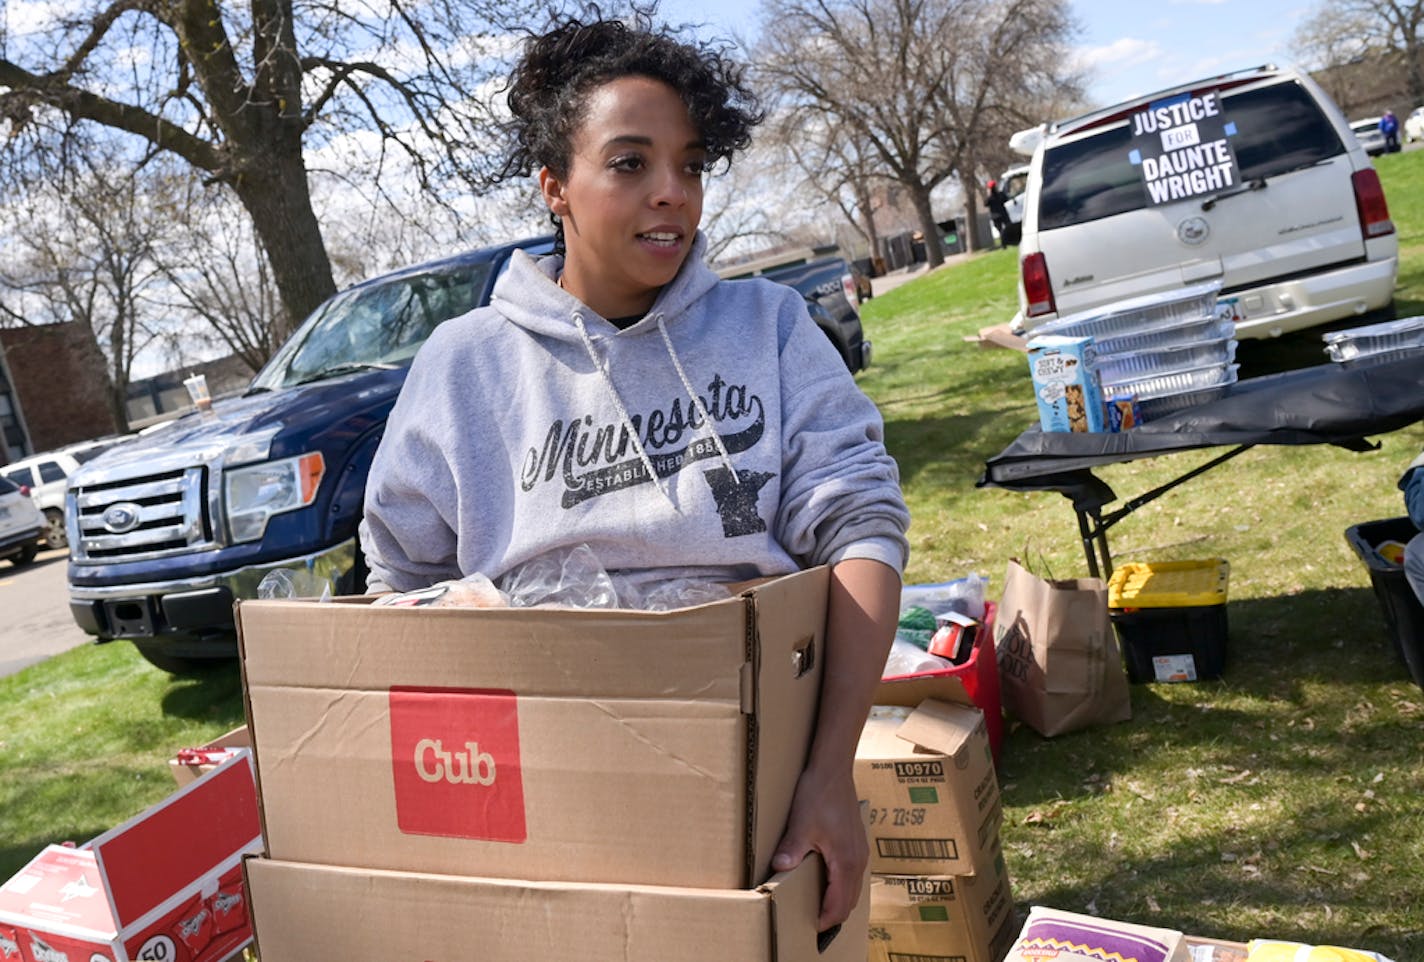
(1369, 200)
(1037, 288)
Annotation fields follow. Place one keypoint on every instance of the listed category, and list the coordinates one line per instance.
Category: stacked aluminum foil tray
(1169, 351)
(1377, 343)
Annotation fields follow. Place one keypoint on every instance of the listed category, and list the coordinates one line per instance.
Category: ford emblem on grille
(121, 518)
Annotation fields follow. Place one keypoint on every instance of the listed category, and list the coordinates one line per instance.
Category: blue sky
(1131, 47)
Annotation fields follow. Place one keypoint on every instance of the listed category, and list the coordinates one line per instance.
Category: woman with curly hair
(618, 394)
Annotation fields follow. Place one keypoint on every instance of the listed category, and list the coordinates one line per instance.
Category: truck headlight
(256, 492)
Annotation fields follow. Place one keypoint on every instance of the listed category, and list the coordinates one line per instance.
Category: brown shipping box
(968, 917)
(656, 748)
(302, 912)
(185, 771)
(928, 775)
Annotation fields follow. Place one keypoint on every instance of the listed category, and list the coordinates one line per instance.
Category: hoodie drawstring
(697, 401)
(622, 411)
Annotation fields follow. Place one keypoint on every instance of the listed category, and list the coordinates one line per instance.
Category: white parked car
(1252, 180)
(1013, 182)
(45, 478)
(1414, 125)
(21, 525)
(1367, 132)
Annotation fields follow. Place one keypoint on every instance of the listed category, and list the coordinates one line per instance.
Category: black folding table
(1328, 404)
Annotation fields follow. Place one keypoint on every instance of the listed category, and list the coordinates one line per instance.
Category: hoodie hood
(719, 438)
(529, 295)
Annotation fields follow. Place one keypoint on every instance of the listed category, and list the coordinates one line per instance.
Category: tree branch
(28, 89)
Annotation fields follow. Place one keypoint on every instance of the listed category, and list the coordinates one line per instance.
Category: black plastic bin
(1403, 614)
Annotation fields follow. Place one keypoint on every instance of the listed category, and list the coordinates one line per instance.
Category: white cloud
(1120, 54)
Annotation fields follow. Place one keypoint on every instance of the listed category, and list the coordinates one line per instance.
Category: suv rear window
(7, 486)
(1280, 128)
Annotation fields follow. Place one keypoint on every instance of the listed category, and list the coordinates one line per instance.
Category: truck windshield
(374, 325)
(1280, 129)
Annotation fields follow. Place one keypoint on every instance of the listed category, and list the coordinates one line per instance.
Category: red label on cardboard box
(9, 944)
(456, 765)
(179, 840)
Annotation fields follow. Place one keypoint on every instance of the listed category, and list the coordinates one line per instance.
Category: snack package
(1049, 935)
(1272, 950)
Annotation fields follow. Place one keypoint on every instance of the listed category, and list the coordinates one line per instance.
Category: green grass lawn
(1281, 801)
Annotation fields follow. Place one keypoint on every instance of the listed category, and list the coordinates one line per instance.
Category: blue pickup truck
(167, 530)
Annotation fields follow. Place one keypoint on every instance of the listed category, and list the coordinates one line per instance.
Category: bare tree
(1343, 31)
(215, 274)
(838, 166)
(918, 81)
(239, 90)
(81, 249)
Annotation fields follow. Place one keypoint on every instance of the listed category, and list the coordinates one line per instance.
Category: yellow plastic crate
(1169, 584)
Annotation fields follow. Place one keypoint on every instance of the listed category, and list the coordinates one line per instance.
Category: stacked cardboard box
(166, 884)
(537, 783)
(939, 886)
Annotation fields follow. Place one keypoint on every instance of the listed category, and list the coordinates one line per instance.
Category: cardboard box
(185, 769)
(1202, 949)
(303, 912)
(968, 918)
(167, 884)
(657, 748)
(1065, 384)
(928, 774)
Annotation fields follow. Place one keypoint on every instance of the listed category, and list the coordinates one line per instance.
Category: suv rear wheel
(55, 536)
(25, 556)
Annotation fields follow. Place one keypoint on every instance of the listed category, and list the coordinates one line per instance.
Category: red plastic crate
(980, 677)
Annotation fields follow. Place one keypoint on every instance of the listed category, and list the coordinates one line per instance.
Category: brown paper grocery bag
(1060, 667)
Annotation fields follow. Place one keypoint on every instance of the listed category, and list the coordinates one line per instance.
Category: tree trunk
(275, 192)
(971, 213)
(934, 248)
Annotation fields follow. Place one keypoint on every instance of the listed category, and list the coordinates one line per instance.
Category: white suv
(1252, 179)
(45, 478)
(21, 525)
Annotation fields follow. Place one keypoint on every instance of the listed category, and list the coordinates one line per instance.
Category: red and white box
(167, 884)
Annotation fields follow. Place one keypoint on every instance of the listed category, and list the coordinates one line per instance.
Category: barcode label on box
(917, 848)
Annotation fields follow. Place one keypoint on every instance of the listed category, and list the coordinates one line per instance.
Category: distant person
(1412, 484)
(1389, 126)
(997, 202)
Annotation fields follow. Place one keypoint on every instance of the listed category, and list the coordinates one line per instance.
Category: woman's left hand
(825, 818)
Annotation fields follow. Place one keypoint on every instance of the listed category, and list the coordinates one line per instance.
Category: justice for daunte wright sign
(1183, 147)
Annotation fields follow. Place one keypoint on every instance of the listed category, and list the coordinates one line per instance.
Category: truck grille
(144, 517)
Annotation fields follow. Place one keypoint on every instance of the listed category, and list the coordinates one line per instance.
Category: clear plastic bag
(575, 578)
(920, 606)
(907, 658)
(286, 583)
(670, 595)
(473, 591)
(572, 578)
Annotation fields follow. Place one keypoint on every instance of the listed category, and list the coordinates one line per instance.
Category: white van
(1252, 179)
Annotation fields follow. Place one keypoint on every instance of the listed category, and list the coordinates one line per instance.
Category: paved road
(34, 613)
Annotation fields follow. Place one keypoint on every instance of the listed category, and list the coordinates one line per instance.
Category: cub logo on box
(456, 765)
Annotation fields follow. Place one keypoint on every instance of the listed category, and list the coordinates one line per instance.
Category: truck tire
(26, 555)
(161, 658)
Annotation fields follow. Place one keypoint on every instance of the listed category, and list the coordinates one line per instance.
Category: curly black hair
(549, 87)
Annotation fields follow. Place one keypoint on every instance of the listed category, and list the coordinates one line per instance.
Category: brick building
(52, 389)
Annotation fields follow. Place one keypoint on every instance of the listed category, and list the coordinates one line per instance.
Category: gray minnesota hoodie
(719, 438)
